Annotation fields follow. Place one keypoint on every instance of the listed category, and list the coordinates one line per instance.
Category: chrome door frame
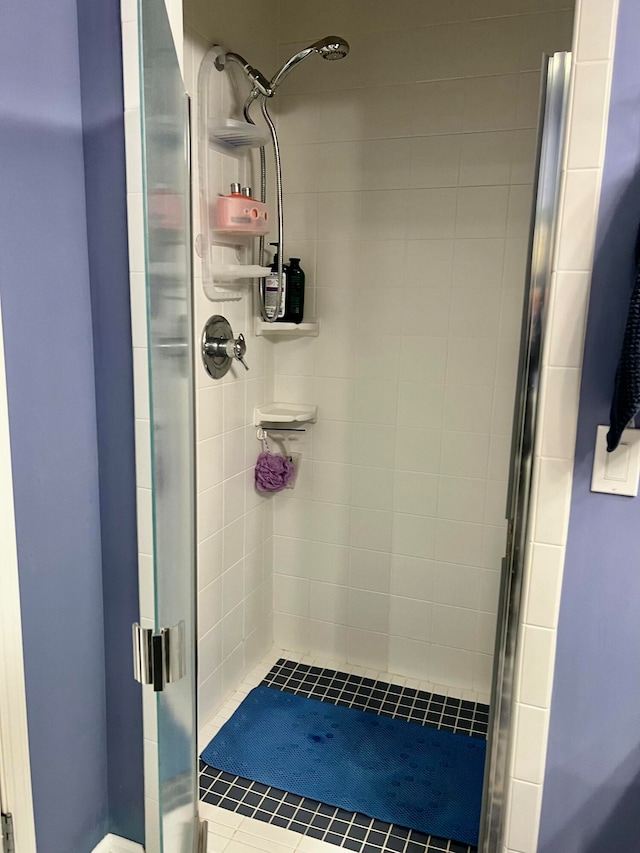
(551, 131)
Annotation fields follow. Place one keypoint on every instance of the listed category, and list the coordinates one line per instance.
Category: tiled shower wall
(408, 170)
(234, 524)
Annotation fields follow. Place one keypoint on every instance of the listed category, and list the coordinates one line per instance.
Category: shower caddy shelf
(240, 273)
(223, 276)
(226, 257)
(233, 136)
(227, 281)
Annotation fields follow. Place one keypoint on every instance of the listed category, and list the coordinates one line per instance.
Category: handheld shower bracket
(259, 81)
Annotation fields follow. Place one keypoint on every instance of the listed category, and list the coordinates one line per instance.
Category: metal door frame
(552, 120)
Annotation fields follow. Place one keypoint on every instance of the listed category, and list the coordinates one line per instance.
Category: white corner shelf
(284, 413)
(309, 327)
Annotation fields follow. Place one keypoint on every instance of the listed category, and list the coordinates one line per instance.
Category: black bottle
(295, 292)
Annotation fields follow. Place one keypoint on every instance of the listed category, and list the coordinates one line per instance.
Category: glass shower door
(166, 191)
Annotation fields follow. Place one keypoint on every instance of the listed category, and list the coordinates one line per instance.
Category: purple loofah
(273, 472)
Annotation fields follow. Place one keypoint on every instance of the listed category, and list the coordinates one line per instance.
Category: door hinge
(8, 845)
(159, 659)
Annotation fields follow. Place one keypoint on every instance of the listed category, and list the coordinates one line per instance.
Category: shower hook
(263, 435)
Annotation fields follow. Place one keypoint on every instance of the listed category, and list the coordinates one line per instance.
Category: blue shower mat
(399, 772)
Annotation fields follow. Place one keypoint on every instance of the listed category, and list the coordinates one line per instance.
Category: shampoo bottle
(295, 292)
(271, 305)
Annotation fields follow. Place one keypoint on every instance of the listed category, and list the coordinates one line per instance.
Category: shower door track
(553, 101)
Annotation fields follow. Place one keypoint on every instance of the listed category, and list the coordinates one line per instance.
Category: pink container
(240, 214)
(166, 209)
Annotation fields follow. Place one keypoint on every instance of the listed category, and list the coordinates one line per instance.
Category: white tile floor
(233, 833)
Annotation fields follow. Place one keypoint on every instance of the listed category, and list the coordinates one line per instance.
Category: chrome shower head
(330, 47)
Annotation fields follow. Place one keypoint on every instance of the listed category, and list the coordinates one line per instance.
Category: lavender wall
(44, 286)
(592, 783)
(105, 191)
(59, 255)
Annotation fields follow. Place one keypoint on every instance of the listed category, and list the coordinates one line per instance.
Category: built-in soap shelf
(284, 414)
(310, 327)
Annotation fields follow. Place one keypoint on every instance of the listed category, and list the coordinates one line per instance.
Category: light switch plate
(617, 473)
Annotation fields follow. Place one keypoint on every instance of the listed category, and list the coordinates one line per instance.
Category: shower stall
(404, 178)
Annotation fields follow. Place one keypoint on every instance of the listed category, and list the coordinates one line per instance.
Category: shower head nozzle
(330, 47)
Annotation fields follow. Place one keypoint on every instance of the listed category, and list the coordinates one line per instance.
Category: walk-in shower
(370, 583)
(331, 48)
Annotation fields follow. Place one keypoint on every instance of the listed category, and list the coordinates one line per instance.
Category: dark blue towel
(393, 770)
(626, 395)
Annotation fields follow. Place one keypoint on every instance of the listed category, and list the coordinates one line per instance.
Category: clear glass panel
(165, 109)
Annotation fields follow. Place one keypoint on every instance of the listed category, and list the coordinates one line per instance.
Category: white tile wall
(235, 588)
(407, 196)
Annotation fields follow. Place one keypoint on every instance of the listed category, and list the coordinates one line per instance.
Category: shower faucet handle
(232, 348)
(239, 349)
(220, 348)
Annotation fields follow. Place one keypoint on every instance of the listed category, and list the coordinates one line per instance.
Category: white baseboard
(115, 844)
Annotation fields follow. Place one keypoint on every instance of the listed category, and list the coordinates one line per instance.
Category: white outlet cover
(618, 472)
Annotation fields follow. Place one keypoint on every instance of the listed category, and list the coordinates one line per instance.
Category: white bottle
(271, 303)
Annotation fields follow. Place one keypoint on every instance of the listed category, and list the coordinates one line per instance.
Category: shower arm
(259, 81)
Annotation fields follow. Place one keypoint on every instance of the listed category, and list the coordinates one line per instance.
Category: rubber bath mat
(398, 772)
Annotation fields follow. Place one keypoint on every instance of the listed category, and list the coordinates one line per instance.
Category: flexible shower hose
(263, 199)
